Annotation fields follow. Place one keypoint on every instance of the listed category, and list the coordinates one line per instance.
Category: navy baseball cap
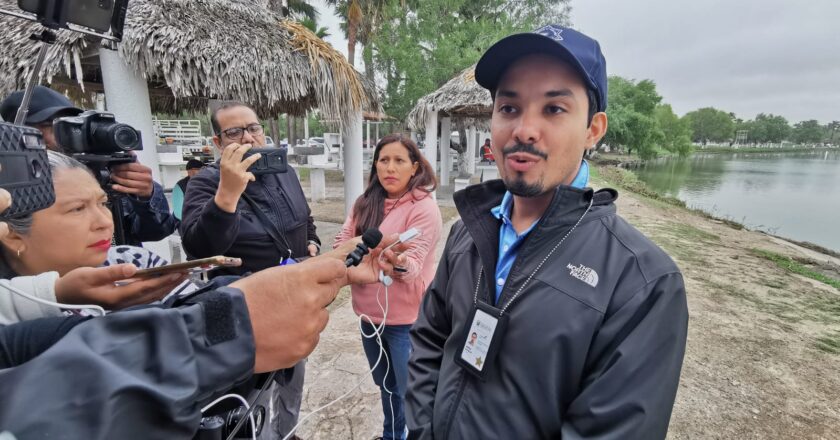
(45, 104)
(581, 52)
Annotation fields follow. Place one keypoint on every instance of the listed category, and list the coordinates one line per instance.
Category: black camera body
(93, 132)
(272, 161)
(25, 172)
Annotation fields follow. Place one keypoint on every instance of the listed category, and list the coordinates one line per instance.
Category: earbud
(385, 279)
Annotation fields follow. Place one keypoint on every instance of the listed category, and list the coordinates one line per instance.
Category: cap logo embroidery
(552, 32)
(583, 273)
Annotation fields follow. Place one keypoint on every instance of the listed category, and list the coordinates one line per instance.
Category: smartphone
(94, 14)
(273, 161)
(406, 236)
(194, 266)
(25, 171)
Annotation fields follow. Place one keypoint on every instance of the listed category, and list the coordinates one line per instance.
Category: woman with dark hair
(42, 250)
(398, 197)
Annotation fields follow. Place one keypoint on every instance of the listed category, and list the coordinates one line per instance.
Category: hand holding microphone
(370, 239)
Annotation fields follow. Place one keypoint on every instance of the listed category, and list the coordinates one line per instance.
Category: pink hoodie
(416, 210)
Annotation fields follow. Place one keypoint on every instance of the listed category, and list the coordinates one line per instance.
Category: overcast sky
(743, 56)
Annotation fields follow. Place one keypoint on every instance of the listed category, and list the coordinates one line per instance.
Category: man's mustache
(524, 148)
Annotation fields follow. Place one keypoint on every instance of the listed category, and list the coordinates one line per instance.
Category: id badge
(481, 339)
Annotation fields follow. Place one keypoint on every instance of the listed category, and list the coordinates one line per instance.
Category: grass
(627, 180)
(797, 267)
(691, 233)
(329, 175)
(682, 241)
(830, 343)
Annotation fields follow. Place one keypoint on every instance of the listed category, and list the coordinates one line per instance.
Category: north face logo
(584, 274)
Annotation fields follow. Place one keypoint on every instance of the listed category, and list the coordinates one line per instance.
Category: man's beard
(516, 184)
(518, 187)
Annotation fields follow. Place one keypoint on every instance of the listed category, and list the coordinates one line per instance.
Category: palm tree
(362, 20)
(295, 8)
(321, 32)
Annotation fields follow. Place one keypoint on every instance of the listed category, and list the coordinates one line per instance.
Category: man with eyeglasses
(220, 217)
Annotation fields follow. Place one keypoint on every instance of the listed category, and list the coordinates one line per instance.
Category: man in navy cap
(580, 321)
(146, 215)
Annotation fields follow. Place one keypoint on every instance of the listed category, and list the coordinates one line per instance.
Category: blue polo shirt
(509, 240)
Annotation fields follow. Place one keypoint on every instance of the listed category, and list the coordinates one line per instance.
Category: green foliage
(831, 130)
(299, 9)
(421, 45)
(632, 118)
(311, 24)
(711, 124)
(767, 128)
(676, 131)
(808, 132)
(796, 267)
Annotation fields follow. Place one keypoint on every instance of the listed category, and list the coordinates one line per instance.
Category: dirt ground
(759, 364)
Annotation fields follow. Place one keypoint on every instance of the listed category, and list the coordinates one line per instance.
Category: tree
(831, 129)
(297, 9)
(321, 32)
(676, 131)
(807, 132)
(632, 119)
(711, 124)
(769, 128)
(420, 45)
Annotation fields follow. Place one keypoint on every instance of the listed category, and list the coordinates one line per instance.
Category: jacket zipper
(461, 387)
(274, 207)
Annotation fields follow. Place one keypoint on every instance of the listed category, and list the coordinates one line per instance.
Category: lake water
(795, 195)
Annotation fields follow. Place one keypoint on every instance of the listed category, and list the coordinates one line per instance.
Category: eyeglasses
(237, 133)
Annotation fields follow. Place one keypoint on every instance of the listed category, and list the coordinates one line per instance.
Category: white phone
(405, 237)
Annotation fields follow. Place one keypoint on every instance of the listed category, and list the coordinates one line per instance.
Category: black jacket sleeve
(634, 367)
(206, 230)
(141, 372)
(311, 234)
(428, 336)
(148, 220)
(25, 340)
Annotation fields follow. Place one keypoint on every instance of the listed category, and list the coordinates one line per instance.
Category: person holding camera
(146, 215)
(264, 220)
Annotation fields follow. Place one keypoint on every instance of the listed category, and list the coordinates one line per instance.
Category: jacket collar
(475, 203)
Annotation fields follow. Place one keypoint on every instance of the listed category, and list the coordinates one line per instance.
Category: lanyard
(519, 291)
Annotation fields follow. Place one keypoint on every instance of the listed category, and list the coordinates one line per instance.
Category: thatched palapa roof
(460, 98)
(194, 50)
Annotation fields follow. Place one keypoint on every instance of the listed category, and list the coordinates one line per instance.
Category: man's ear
(217, 141)
(596, 130)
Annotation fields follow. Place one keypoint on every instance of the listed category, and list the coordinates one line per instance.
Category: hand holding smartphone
(194, 266)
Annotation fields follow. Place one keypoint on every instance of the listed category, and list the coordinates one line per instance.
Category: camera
(26, 170)
(94, 132)
(219, 427)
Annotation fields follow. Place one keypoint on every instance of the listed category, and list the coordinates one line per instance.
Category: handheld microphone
(370, 239)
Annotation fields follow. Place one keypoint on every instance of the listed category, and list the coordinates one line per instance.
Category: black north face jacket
(593, 346)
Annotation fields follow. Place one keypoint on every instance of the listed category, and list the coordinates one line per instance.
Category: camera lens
(235, 415)
(124, 137)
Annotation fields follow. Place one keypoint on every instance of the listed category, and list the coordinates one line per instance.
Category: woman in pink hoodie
(398, 198)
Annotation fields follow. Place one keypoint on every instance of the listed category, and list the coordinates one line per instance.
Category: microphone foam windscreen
(372, 237)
